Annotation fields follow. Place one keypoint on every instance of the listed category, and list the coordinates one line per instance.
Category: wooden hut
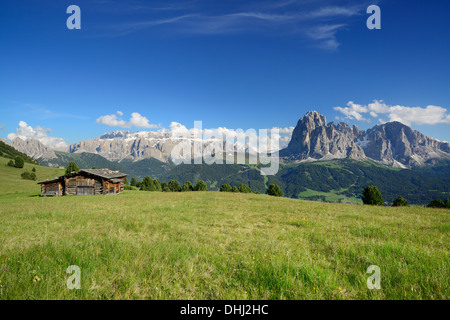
(84, 182)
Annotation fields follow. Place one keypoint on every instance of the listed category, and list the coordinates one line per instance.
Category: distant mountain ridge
(8, 151)
(339, 180)
(33, 148)
(393, 143)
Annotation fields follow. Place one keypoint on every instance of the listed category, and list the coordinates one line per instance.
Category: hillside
(8, 151)
(340, 180)
(343, 180)
(11, 182)
(211, 245)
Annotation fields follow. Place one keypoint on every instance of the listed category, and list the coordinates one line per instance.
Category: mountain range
(393, 144)
(323, 161)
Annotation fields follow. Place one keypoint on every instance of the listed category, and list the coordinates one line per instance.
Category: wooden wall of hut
(82, 185)
(51, 189)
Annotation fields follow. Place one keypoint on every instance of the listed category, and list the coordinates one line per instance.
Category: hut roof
(103, 173)
(51, 180)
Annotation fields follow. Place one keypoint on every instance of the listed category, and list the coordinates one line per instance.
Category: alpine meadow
(213, 245)
(222, 159)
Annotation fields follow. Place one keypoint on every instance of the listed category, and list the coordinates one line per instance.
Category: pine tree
(225, 188)
(274, 190)
(447, 204)
(18, 162)
(243, 188)
(147, 184)
(174, 186)
(187, 186)
(72, 167)
(400, 202)
(436, 203)
(164, 187)
(372, 196)
(201, 186)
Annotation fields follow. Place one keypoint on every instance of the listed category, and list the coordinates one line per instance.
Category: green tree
(436, 203)
(243, 188)
(11, 163)
(188, 186)
(225, 188)
(147, 184)
(400, 202)
(18, 162)
(372, 196)
(447, 204)
(174, 186)
(274, 190)
(201, 186)
(133, 182)
(125, 181)
(72, 167)
(157, 185)
(234, 189)
(34, 169)
(28, 175)
(164, 187)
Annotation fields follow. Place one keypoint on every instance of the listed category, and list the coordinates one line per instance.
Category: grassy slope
(12, 183)
(210, 245)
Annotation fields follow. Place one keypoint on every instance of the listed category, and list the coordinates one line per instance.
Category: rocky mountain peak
(314, 119)
(392, 143)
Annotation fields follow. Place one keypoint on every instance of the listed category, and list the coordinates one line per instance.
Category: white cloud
(137, 120)
(353, 111)
(112, 121)
(406, 115)
(237, 136)
(325, 35)
(140, 121)
(24, 132)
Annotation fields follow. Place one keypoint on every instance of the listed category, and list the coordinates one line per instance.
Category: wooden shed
(84, 182)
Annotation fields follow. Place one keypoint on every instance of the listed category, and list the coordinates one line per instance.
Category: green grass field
(211, 245)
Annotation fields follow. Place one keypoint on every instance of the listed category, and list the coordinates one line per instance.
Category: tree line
(149, 184)
(372, 196)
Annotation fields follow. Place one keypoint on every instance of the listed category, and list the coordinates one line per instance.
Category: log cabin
(84, 182)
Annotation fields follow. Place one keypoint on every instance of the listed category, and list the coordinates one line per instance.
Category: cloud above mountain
(24, 132)
(385, 113)
(136, 120)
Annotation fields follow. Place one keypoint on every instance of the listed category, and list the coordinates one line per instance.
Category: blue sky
(235, 64)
